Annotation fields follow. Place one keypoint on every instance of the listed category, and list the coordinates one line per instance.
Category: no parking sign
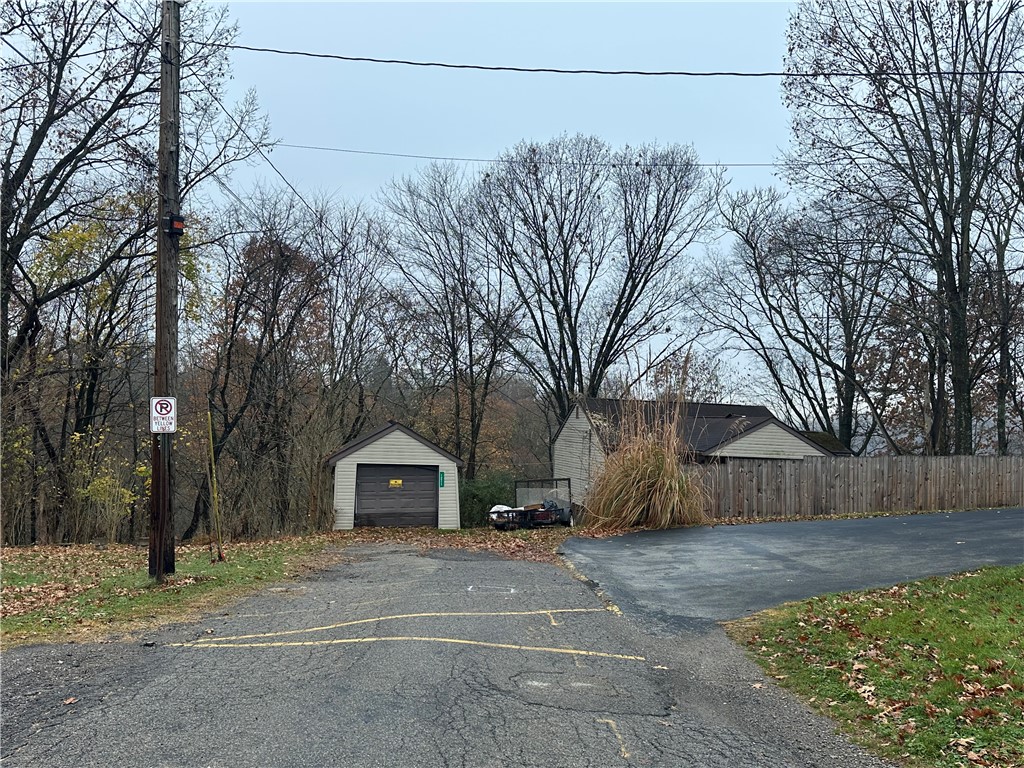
(163, 415)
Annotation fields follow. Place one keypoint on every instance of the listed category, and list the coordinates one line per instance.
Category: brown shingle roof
(703, 426)
(828, 442)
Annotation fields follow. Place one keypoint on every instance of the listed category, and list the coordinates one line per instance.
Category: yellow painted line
(396, 617)
(450, 640)
(609, 605)
(573, 570)
(618, 737)
(602, 596)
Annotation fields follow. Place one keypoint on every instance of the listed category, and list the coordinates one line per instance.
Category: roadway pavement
(393, 658)
(693, 576)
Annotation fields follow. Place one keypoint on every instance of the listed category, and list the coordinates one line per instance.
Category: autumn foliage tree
(77, 174)
(903, 108)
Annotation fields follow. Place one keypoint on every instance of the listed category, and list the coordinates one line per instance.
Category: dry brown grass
(647, 482)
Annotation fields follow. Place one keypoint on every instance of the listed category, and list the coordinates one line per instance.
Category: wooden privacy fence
(848, 486)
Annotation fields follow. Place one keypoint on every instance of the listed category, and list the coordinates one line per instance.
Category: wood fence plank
(759, 488)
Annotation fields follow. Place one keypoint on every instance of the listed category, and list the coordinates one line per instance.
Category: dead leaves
(929, 669)
(989, 757)
(69, 588)
(18, 600)
(536, 545)
(57, 574)
(62, 583)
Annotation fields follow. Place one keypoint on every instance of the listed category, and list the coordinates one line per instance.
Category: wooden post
(165, 368)
(213, 488)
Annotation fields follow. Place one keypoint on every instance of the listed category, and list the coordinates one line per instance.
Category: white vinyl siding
(768, 442)
(394, 448)
(577, 454)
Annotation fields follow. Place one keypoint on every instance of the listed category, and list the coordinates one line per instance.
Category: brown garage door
(396, 494)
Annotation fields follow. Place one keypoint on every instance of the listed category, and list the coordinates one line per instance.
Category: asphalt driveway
(692, 575)
(392, 658)
(458, 659)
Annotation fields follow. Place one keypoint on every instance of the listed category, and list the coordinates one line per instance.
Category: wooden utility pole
(171, 225)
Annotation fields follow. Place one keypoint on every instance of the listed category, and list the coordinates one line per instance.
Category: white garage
(395, 477)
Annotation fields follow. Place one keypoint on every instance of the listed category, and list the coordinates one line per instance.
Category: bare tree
(461, 298)
(594, 243)
(1003, 264)
(79, 133)
(353, 353)
(892, 104)
(803, 292)
(284, 352)
(689, 375)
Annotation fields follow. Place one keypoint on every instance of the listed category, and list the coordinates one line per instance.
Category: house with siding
(710, 432)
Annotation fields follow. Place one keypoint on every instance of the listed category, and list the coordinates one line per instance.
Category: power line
(507, 160)
(241, 129)
(383, 286)
(24, 57)
(257, 147)
(613, 72)
(232, 194)
(551, 70)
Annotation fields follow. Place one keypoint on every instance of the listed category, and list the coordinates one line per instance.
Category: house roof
(828, 442)
(392, 426)
(705, 427)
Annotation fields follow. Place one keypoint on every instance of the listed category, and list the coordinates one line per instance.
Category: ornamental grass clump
(646, 480)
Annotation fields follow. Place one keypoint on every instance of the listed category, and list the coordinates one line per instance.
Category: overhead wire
(381, 284)
(603, 72)
(257, 147)
(27, 62)
(532, 70)
(412, 156)
(384, 287)
(542, 161)
(556, 70)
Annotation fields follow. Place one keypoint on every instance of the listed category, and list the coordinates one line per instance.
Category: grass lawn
(929, 673)
(79, 592)
(83, 592)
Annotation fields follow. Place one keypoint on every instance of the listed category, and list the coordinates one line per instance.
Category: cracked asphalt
(393, 658)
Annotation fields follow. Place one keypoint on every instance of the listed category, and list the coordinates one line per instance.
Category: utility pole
(171, 226)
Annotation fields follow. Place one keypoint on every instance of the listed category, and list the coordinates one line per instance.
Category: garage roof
(392, 426)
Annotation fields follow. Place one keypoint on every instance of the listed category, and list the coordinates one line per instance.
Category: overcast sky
(401, 109)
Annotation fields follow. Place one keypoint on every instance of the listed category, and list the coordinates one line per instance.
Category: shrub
(646, 480)
(477, 496)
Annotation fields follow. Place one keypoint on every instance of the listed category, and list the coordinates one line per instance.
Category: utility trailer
(538, 503)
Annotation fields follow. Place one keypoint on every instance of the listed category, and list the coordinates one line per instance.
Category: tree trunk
(200, 511)
(960, 374)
